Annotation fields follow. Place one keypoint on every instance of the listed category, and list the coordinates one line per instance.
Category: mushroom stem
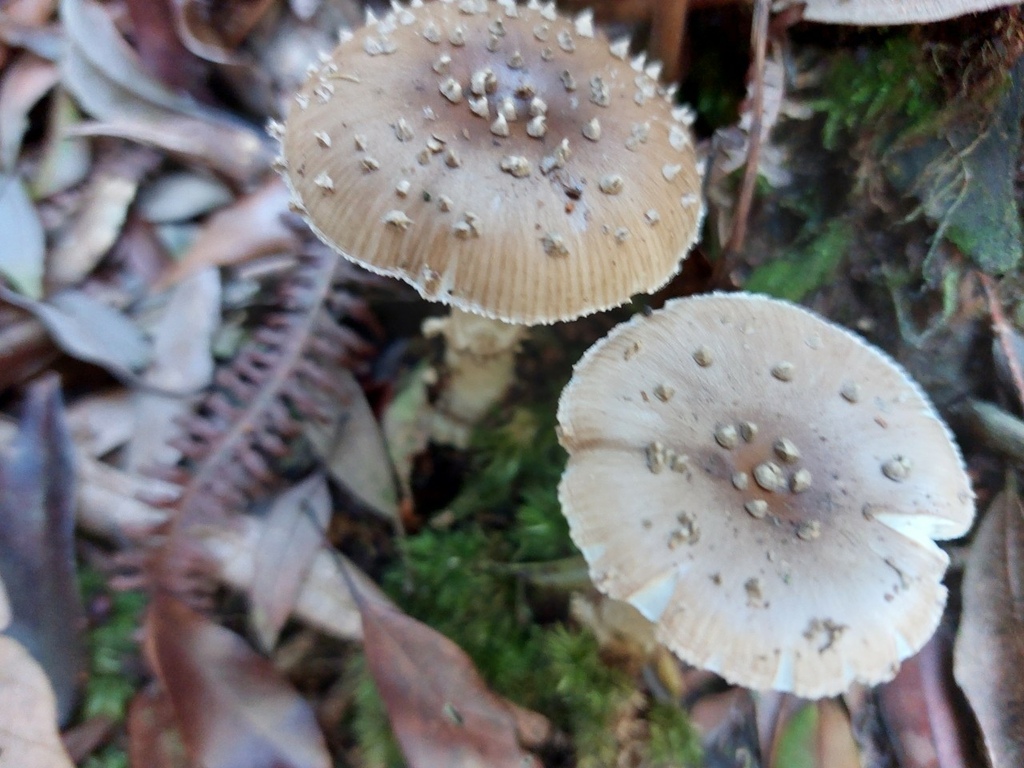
(479, 360)
(668, 28)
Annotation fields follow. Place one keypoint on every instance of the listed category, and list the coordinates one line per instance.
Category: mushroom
(503, 159)
(885, 12)
(775, 515)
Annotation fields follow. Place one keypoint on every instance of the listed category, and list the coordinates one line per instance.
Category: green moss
(111, 644)
(811, 266)
(891, 88)
(109, 757)
(507, 513)
(673, 738)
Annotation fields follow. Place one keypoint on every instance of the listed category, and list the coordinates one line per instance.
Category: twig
(1004, 333)
(759, 43)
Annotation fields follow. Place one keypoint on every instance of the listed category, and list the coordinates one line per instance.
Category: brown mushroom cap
(503, 159)
(766, 488)
(884, 12)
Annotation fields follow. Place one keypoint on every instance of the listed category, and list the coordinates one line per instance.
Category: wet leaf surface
(233, 708)
(990, 645)
(37, 563)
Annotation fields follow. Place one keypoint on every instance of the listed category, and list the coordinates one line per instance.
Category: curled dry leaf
(324, 600)
(440, 709)
(100, 219)
(23, 245)
(293, 534)
(989, 654)
(89, 330)
(104, 73)
(182, 336)
(37, 561)
(110, 500)
(228, 22)
(235, 151)
(233, 708)
(353, 450)
(65, 161)
(25, 82)
(249, 228)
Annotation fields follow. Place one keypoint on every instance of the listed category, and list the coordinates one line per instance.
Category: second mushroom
(766, 488)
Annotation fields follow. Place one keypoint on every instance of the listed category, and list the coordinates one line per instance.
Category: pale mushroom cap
(397, 163)
(674, 425)
(885, 12)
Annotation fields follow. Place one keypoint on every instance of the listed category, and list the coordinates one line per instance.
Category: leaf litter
(134, 166)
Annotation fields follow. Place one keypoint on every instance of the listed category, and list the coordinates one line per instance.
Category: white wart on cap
(766, 488)
(885, 12)
(504, 159)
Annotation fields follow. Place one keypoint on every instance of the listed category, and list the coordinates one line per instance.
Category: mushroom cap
(418, 151)
(885, 12)
(677, 424)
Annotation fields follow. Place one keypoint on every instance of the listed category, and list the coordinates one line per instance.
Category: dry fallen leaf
(153, 737)
(293, 533)
(233, 708)
(28, 713)
(37, 559)
(89, 330)
(989, 655)
(324, 601)
(353, 450)
(920, 712)
(98, 223)
(23, 246)
(24, 83)
(182, 336)
(249, 228)
(440, 709)
(237, 152)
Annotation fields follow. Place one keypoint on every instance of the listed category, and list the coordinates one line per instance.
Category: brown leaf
(153, 737)
(919, 709)
(440, 708)
(234, 20)
(37, 561)
(293, 533)
(250, 228)
(233, 708)
(989, 656)
(159, 47)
